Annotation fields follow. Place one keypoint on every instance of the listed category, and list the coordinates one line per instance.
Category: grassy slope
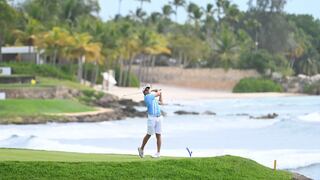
(26, 164)
(22, 107)
(44, 82)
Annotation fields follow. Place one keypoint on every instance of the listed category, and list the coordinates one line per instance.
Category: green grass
(45, 82)
(27, 107)
(27, 164)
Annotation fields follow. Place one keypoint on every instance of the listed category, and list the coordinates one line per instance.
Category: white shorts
(154, 125)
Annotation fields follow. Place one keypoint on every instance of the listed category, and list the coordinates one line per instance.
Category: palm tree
(222, 5)
(195, 14)
(84, 50)
(132, 47)
(159, 46)
(141, 1)
(226, 47)
(7, 17)
(55, 43)
(167, 11)
(309, 66)
(138, 15)
(209, 20)
(178, 3)
(119, 7)
(253, 25)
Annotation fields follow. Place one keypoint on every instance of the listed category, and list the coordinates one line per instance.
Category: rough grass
(27, 107)
(26, 164)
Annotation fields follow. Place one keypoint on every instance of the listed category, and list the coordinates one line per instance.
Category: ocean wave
(312, 117)
(36, 143)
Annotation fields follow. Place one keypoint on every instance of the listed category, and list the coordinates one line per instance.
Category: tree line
(264, 37)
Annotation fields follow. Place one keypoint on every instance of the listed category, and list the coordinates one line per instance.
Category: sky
(109, 8)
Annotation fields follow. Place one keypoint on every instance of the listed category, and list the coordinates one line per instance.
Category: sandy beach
(174, 93)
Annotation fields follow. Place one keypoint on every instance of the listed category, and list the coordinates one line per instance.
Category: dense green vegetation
(89, 96)
(92, 166)
(264, 37)
(30, 107)
(44, 70)
(257, 85)
(312, 88)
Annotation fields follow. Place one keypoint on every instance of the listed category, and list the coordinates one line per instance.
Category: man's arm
(158, 93)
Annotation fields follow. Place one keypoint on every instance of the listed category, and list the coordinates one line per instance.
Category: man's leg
(158, 142)
(145, 140)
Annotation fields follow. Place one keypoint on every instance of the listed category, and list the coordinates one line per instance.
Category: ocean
(292, 138)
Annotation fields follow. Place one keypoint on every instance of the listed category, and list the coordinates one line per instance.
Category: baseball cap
(145, 86)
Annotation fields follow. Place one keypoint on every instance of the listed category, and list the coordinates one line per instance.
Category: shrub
(259, 60)
(262, 60)
(312, 88)
(44, 70)
(257, 85)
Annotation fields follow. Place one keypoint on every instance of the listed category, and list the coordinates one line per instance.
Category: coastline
(175, 93)
(172, 94)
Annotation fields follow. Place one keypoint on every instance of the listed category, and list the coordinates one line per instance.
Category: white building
(22, 53)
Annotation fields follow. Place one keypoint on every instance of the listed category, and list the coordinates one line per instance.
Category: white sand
(173, 94)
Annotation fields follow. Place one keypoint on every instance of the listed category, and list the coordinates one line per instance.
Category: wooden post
(275, 165)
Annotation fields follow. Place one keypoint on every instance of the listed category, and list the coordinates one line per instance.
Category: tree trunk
(153, 63)
(54, 57)
(152, 68)
(179, 58)
(85, 69)
(1, 42)
(80, 68)
(129, 72)
(94, 75)
(125, 76)
(120, 72)
(140, 74)
(145, 61)
(147, 76)
(185, 61)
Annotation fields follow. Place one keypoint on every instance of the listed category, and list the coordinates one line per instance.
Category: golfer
(154, 118)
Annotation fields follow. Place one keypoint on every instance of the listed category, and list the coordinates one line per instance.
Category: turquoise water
(293, 138)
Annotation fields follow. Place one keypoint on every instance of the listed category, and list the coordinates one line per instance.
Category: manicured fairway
(21, 107)
(26, 164)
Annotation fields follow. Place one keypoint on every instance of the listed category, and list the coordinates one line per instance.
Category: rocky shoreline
(112, 108)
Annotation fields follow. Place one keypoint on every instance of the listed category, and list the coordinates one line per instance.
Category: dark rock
(209, 113)
(297, 176)
(268, 116)
(242, 114)
(108, 101)
(186, 113)
(130, 111)
(129, 102)
(163, 113)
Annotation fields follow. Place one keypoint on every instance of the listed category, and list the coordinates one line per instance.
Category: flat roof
(19, 50)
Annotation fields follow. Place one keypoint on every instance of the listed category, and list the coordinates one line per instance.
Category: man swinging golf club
(154, 118)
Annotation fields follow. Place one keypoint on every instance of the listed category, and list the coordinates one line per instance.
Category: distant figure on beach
(108, 80)
(154, 118)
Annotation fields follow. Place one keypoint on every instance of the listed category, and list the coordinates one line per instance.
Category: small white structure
(108, 80)
(2, 96)
(25, 53)
(5, 71)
